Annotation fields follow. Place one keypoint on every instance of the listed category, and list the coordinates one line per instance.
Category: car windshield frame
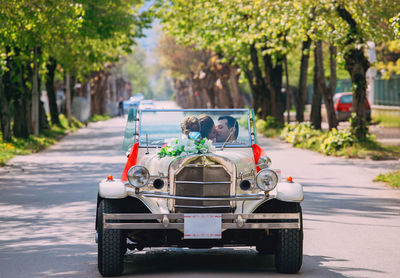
(217, 144)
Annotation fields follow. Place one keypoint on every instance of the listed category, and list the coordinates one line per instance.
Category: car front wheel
(289, 248)
(111, 243)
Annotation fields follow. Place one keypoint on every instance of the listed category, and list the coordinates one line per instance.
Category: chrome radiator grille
(198, 180)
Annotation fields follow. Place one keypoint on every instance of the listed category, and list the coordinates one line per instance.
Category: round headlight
(266, 179)
(138, 176)
(264, 162)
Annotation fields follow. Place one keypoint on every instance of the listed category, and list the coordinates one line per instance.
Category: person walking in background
(121, 107)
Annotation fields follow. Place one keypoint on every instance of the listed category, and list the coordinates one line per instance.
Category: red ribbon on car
(132, 159)
(258, 152)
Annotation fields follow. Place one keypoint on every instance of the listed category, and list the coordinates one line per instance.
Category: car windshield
(221, 126)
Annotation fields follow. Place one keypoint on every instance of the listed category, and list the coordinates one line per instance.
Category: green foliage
(98, 118)
(76, 123)
(338, 143)
(244, 121)
(303, 136)
(389, 63)
(392, 179)
(186, 146)
(269, 127)
(138, 74)
(82, 36)
(336, 140)
(396, 24)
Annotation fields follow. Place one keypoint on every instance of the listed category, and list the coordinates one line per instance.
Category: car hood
(242, 158)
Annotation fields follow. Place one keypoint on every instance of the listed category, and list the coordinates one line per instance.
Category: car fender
(154, 205)
(116, 189)
(288, 192)
(248, 207)
(112, 189)
(284, 191)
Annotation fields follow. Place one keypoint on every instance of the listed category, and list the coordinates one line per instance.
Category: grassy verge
(19, 146)
(387, 118)
(269, 127)
(392, 179)
(98, 118)
(335, 143)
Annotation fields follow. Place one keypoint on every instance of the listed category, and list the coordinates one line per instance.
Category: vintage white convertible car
(180, 190)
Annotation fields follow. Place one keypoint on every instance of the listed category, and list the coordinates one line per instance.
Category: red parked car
(343, 103)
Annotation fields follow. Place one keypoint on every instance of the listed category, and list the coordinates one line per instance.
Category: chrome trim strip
(205, 166)
(201, 207)
(204, 182)
(232, 198)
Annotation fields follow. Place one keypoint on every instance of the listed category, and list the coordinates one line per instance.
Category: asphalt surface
(48, 204)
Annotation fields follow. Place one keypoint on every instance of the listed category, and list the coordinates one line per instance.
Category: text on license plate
(201, 226)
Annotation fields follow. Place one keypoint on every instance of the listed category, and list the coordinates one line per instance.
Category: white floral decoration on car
(185, 146)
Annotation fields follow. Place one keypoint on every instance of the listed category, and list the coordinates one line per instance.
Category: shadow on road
(330, 203)
(223, 262)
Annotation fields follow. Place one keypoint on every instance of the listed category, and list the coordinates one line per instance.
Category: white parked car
(191, 190)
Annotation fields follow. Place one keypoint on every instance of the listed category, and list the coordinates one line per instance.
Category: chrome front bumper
(175, 221)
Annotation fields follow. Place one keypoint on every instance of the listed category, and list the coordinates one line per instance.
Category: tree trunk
(263, 97)
(200, 99)
(237, 97)
(4, 114)
(302, 92)
(68, 96)
(221, 85)
(5, 98)
(253, 89)
(320, 77)
(288, 93)
(357, 65)
(332, 63)
(273, 76)
(208, 79)
(35, 93)
(22, 98)
(316, 98)
(51, 94)
(98, 96)
(20, 127)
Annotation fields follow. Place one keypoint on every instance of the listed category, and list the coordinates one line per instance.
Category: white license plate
(199, 226)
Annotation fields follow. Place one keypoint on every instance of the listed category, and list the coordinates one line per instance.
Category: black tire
(289, 247)
(111, 243)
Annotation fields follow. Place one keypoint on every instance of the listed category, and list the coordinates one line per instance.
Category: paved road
(47, 210)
